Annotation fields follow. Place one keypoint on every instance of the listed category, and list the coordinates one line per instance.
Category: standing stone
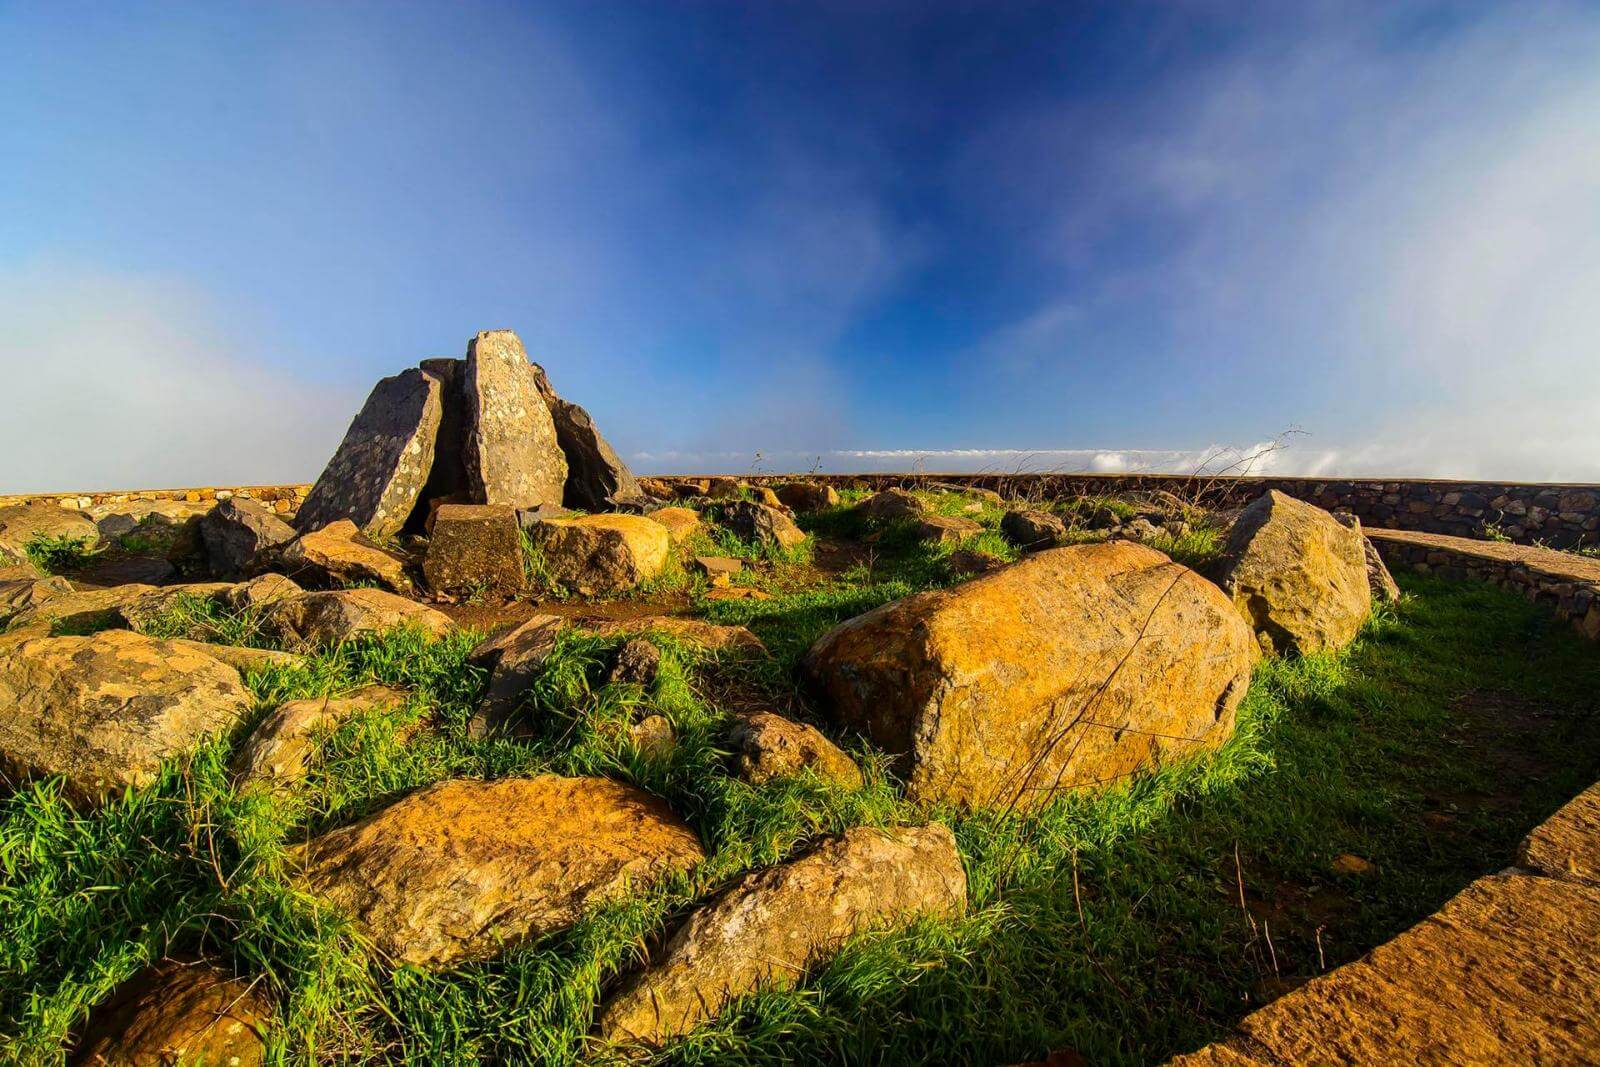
(376, 476)
(512, 455)
(447, 480)
(776, 924)
(179, 1012)
(474, 547)
(103, 711)
(464, 868)
(1072, 668)
(597, 479)
(236, 530)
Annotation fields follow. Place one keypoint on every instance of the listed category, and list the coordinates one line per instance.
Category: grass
(61, 553)
(1110, 924)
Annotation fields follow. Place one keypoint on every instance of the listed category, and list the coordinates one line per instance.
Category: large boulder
(66, 610)
(178, 1012)
(597, 479)
(103, 711)
(1297, 575)
(236, 531)
(1074, 667)
(463, 869)
(776, 924)
(511, 453)
(326, 618)
(22, 523)
(338, 554)
(1385, 590)
(761, 524)
(474, 548)
(377, 474)
(766, 746)
(278, 752)
(600, 555)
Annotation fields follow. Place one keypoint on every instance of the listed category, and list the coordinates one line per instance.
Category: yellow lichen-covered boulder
(179, 1012)
(769, 929)
(331, 616)
(1297, 574)
(464, 868)
(597, 555)
(1075, 667)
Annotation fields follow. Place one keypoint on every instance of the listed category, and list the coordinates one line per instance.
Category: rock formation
(511, 452)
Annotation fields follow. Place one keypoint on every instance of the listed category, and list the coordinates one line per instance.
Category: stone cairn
(487, 429)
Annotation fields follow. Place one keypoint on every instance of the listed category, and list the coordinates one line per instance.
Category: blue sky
(861, 234)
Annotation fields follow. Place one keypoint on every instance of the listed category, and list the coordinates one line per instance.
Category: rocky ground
(496, 753)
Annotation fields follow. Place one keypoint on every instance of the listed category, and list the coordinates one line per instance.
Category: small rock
(762, 524)
(776, 924)
(1345, 863)
(1033, 530)
(636, 663)
(653, 735)
(326, 618)
(718, 569)
(464, 869)
(474, 548)
(941, 528)
(966, 563)
(179, 1012)
(1141, 529)
(892, 504)
(338, 554)
(278, 752)
(513, 659)
(601, 555)
(808, 496)
(723, 488)
(768, 746)
(737, 593)
(681, 523)
(242, 659)
(257, 593)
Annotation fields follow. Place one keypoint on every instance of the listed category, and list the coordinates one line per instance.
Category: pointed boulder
(378, 472)
(597, 479)
(511, 454)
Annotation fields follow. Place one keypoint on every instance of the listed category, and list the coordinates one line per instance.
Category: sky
(1343, 238)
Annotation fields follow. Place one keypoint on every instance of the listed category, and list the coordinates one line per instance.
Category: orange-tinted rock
(681, 523)
(942, 528)
(328, 617)
(600, 555)
(1567, 845)
(1074, 667)
(278, 752)
(178, 1013)
(338, 554)
(893, 504)
(463, 869)
(767, 746)
(808, 496)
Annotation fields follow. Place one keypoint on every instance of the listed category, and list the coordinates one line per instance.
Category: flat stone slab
(1545, 562)
(1506, 972)
(1567, 845)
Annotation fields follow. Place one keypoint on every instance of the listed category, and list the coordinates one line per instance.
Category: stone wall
(1567, 583)
(283, 498)
(1562, 516)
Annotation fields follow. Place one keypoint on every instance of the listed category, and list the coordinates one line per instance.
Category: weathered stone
(653, 735)
(768, 746)
(1379, 580)
(1297, 574)
(1031, 530)
(326, 618)
(278, 753)
(240, 658)
(942, 528)
(687, 488)
(706, 635)
(1141, 529)
(103, 711)
(1505, 972)
(258, 592)
(1567, 845)
(808, 496)
(513, 660)
(892, 504)
(723, 488)
(1072, 668)
(656, 489)
(154, 517)
(512, 456)
(681, 523)
(987, 496)
(379, 469)
(447, 477)
(474, 547)
(718, 569)
(338, 554)
(73, 610)
(22, 523)
(761, 524)
(597, 479)
(600, 555)
(24, 590)
(237, 531)
(178, 1012)
(636, 662)
(150, 608)
(768, 930)
(464, 869)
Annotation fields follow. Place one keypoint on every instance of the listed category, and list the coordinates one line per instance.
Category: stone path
(1508, 971)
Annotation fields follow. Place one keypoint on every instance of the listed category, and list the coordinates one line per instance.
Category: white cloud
(117, 381)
